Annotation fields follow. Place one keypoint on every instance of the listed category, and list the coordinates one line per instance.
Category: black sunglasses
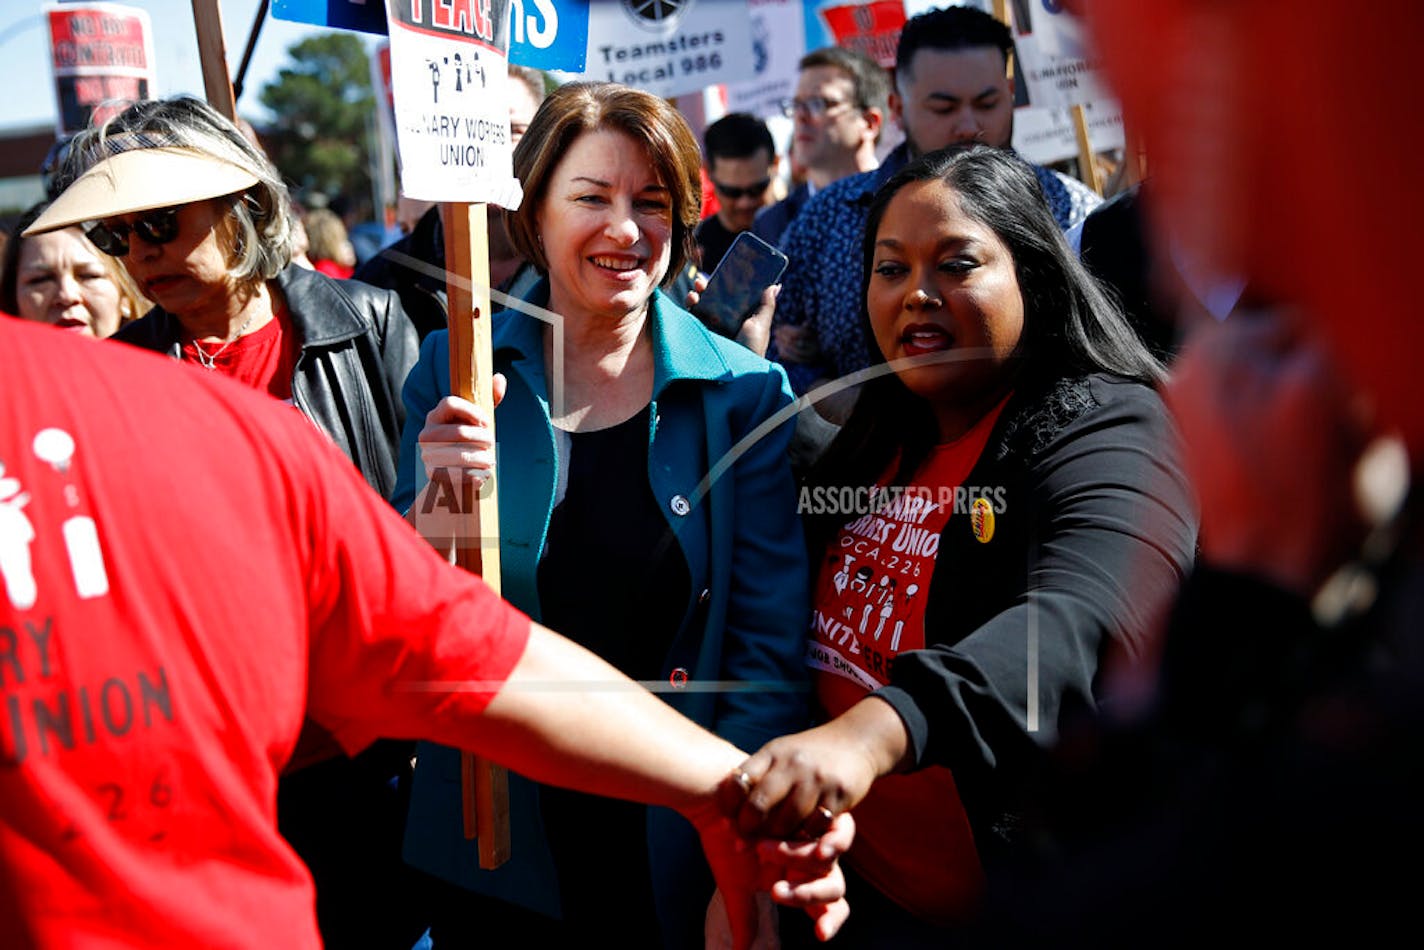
(754, 190)
(159, 226)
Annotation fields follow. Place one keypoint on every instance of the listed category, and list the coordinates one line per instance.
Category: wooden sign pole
(484, 785)
(1135, 156)
(1087, 166)
(212, 53)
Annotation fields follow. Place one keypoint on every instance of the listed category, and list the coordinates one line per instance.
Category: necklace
(208, 360)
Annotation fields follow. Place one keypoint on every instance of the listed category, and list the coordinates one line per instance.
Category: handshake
(792, 799)
(754, 869)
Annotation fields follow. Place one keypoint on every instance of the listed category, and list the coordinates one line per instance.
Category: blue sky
(25, 67)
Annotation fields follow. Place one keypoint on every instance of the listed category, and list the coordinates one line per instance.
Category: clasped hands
(794, 797)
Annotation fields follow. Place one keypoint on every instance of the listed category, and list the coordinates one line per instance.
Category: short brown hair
(577, 108)
(869, 82)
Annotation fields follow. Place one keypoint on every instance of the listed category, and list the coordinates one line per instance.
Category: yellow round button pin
(981, 520)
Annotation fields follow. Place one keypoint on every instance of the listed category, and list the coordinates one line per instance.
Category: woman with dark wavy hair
(1004, 505)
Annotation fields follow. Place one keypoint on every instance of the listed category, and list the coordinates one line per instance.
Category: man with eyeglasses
(741, 161)
(952, 86)
(838, 115)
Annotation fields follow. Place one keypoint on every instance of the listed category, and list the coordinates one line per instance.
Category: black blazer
(1096, 531)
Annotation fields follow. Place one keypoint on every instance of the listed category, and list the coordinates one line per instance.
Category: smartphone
(734, 290)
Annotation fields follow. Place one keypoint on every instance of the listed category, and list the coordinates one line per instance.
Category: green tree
(322, 105)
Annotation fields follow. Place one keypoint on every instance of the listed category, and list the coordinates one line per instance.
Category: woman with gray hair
(200, 219)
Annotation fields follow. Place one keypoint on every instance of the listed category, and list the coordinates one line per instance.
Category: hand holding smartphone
(734, 290)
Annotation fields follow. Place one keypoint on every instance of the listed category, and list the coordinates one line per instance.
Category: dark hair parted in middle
(1070, 327)
(578, 108)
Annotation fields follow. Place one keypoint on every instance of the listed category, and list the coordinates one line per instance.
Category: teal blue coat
(719, 430)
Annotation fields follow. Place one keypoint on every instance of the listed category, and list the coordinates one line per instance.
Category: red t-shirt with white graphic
(913, 840)
(188, 571)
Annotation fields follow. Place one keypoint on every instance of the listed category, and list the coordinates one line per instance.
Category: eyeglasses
(154, 227)
(732, 192)
(813, 107)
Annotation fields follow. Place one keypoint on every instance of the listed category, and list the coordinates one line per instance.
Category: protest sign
(1057, 82)
(101, 53)
(543, 34)
(448, 72)
(385, 124)
(1043, 136)
(778, 43)
(669, 49)
(368, 16)
(819, 33)
(869, 28)
(383, 87)
(1056, 61)
(1055, 32)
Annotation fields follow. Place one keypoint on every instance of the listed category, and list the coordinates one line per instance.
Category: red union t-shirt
(188, 570)
(913, 840)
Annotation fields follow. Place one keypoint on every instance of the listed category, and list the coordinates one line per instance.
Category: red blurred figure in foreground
(1270, 786)
(1274, 788)
(148, 714)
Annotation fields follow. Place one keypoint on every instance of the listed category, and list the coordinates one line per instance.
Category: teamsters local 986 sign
(449, 68)
(669, 47)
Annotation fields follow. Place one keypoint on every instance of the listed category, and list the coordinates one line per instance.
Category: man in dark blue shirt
(838, 114)
(952, 85)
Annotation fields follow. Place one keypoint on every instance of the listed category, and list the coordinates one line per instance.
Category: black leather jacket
(357, 347)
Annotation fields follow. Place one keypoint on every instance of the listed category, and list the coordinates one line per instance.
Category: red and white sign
(871, 28)
(102, 55)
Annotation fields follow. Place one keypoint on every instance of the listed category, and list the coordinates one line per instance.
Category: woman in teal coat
(647, 509)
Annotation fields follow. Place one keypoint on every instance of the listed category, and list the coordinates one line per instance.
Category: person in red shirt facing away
(202, 222)
(157, 660)
(1004, 505)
